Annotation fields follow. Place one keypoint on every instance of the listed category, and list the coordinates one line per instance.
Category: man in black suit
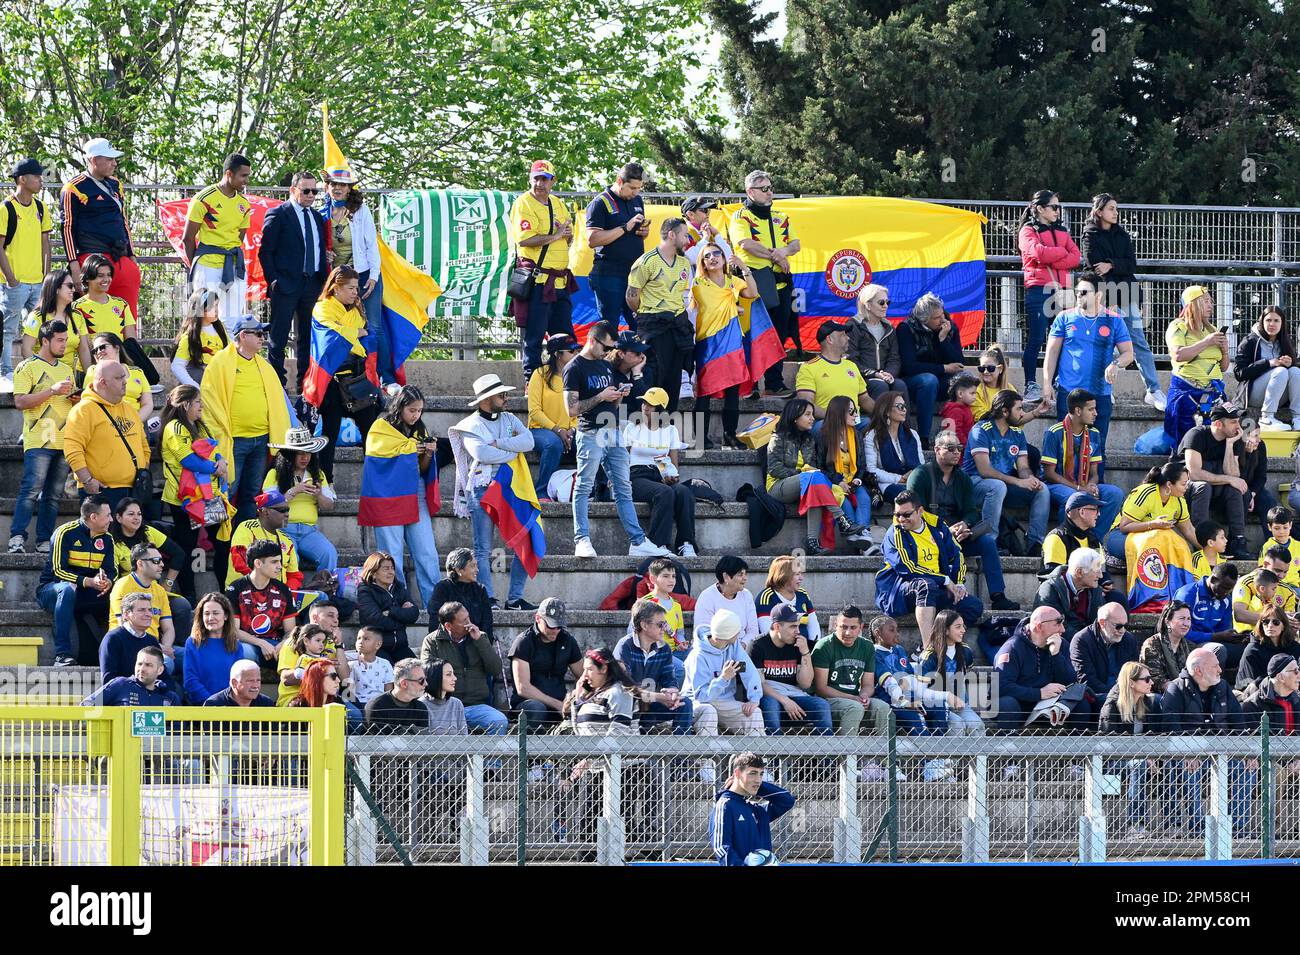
(294, 263)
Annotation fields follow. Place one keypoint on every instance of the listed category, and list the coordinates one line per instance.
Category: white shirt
(651, 446)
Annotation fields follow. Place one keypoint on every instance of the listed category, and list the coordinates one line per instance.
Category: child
(305, 644)
(1279, 525)
(1214, 541)
(958, 415)
(371, 673)
(663, 578)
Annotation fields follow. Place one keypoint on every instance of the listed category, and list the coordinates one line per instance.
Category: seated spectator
(144, 687)
(729, 593)
(1198, 352)
(118, 649)
(1267, 368)
(892, 450)
(784, 661)
(1076, 530)
(171, 615)
(924, 569)
(784, 586)
(873, 342)
(994, 379)
(895, 683)
(603, 701)
(265, 607)
(734, 834)
(305, 645)
(1031, 668)
(844, 674)
(1131, 708)
(997, 460)
(1262, 587)
(844, 462)
(1214, 543)
(792, 452)
(65, 589)
(1274, 636)
(829, 374)
(1274, 694)
(1073, 456)
(402, 710)
(1075, 590)
(129, 530)
(1158, 503)
(1208, 450)
(272, 515)
(662, 577)
(212, 649)
(541, 660)
(649, 663)
(321, 685)
(297, 475)
(1164, 653)
(372, 674)
(202, 335)
(956, 416)
(1098, 652)
(244, 687)
(1280, 521)
(945, 490)
(446, 713)
(929, 347)
(1252, 467)
(107, 347)
(462, 585)
(943, 647)
(103, 439)
(721, 685)
(549, 420)
(474, 657)
(656, 451)
(1212, 613)
(384, 607)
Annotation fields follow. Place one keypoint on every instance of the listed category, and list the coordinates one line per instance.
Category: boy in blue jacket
(741, 821)
(146, 688)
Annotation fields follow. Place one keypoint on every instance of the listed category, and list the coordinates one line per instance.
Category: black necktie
(308, 243)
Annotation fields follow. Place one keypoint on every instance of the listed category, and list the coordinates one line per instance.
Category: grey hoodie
(702, 682)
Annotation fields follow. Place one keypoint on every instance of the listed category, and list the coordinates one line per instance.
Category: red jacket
(1048, 254)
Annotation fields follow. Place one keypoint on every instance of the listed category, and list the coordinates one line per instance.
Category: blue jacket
(1025, 669)
(653, 671)
(1097, 662)
(739, 826)
(702, 683)
(207, 669)
(1209, 615)
(128, 691)
(901, 561)
(117, 653)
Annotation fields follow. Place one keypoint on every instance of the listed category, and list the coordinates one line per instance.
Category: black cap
(558, 343)
(1279, 662)
(28, 167)
(828, 328)
(698, 203)
(627, 341)
(1223, 410)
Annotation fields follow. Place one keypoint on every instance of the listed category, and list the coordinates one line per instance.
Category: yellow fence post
(124, 796)
(328, 751)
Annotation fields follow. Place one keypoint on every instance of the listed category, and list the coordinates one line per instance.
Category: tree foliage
(1162, 101)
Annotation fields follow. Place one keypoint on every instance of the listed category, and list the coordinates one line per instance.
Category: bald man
(104, 441)
(1100, 649)
(1032, 667)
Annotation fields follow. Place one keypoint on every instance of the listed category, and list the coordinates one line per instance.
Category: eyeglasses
(420, 682)
(903, 515)
(947, 447)
(988, 369)
(1056, 619)
(99, 348)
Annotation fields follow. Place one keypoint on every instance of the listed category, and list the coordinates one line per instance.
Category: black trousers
(331, 416)
(665, 363)
(292, 312)
(730, 411)
(669, 504)
(786, 323)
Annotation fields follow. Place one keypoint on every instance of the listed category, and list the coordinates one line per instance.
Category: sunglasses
(1272, 622)
(251, 332)
(903, 515)
(767, 188)
(152, 560)
(882, 301)
(332, 675)
(988, 369)
(309, 192)
(947, 447)
(99, 348)
(1144, 678)
(900, 407)
(1053, 205)
(1121, 627)
(420, 682)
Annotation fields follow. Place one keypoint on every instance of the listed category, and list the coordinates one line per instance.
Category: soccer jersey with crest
(43, 424)
(664, 285)
(221, 218)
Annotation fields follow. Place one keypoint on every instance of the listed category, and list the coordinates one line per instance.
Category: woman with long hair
(57, 293)
(446, 713)
(944, 649)
(182, 425)
(552, 427)
(603, 700)
(716, 296)
(1267, 367)
(1132, 708)
(212, 648)
(1198, 351)
(992, 372)
(202, 335)
(384, 606)
(1274, 634)
(105, 346)
(1048, 254)
(321, 685)
(891, 449)
(1165, 652)
(298, 475)
(845, 462)
(1158, 503)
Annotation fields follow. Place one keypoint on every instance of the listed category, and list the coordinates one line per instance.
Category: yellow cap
(657, 397)
(1193, 292)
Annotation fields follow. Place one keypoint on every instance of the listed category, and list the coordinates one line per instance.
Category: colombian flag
(330, 350)
(720, 361)
(391, 482)
(816, 490)
(511, 502)
(764, 347)
(1159, 562)
(408, 293)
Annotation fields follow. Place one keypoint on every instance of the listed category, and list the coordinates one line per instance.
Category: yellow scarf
(217, 388)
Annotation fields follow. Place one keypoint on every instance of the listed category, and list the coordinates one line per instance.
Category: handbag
(142, 486)
(356, 392)
(525, 271)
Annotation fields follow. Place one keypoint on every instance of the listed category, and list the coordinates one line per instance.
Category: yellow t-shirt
(209, 341)
(1143, 504)
(76, 329)
(131, 584)
(715, 306)
(674, 635)
(529, 218)
(773, 233)
(43, 425)
(664, 285)
(24, 251)
(291, 659)
(1244, 592)
(122, 550)
(111, 316)
(302, 507)
(1293, 545)
(546, 407)
(177, 445)
(827, 379)
(250, 531)
(984, 396)
(1202, 369)
(249, 415)
(221, 218)
(1201, 565)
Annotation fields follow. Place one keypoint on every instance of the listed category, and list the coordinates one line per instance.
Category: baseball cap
(698, 204)
(558, 343)
(627, 341)
(100, 147)
(552, 610)
(28, 167)
(271, 498)
(826, 329)
(1193, 292)
(248, 323)
(657, 397)
(725, 624)
(1223, 410)
(784, 613)
(541, 168)
(1080, 499)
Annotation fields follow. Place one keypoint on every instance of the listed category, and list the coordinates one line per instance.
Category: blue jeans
(857, 507)
(924, 389)
(424, 550)
(658, 713)
(44, 471)
(1112, 499)
(1186, 797)
(250, 472)
(378, 330)
(817, 712)
(313, 545)
(59, 597)
(1146, 362)
(909, 722)
(550, 448)
(182, 620)
(611, 299)
(16, 303)
(996, 494)
(487, 719)
(545, 318)
(1105, 408)
(986, 548)
(595, 447)
(1036, 302)
(483, 528)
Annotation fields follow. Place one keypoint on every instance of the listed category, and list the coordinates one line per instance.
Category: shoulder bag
(142, 486)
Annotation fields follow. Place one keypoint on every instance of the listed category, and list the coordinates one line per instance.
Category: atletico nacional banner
(172, 215)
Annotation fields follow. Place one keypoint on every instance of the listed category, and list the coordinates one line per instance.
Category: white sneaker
(687, 550)
(392, 388)
(17, 544)
(6, 383)
(648, 548)
(1267, 423)
(43, 547)
(583, 548)
(1156, 399)
(1033, 392)
(708, 772)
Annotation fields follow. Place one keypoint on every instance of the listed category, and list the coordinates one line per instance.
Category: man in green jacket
(474, 659)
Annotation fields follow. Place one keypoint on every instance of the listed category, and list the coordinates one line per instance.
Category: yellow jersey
(1201, 566)
(1143, 504)
(663, 285)
(131, 584)
(1245, 592)
(302, 507)
(1292, 545)
(111, 316)
(25, 250)
(76, 330)
(221, 219)
(715, 305)
(209, 343)
(291, 659)
(249, 415)
(250, 531)
(1202, 369)
(529, 218)
(43, 424)
(773, 232)
(826, 379)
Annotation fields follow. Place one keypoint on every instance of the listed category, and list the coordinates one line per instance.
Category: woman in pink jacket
(1047, 253)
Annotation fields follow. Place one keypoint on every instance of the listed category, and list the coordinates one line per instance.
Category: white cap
(100, 147)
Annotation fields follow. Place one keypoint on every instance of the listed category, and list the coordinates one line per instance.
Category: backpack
(11, 217)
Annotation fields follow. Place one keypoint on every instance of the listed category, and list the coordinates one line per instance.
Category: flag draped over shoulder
(1159, 562)
(764, 347)
(720, 360)
(511, 501)
(816, 490)
(330, 350)
(391, 481)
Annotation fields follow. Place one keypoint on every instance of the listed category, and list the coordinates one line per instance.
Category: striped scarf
(1067, 453)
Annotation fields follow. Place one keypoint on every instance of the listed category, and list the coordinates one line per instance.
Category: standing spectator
(295, 262)
(655, 449)
(841, 450)
(873, 342)
(1275, 694)
(482, 442)
(649, 663)
(171, 615)
(1158, 503)
(602, 702)
(102, 311)
(541, 659)
(956, 416)
(103, 440)
(784, 659)
(1164, 653)
(844, 674)
(446, 713)
(244, 689)
(729, 593)
(943, 648)
(658, 290)
(716, 296)
(473, 655)
(372, 674)
(106, 347)
(1267, 369)
(1107, 249)
(384, 607)
(723, 687)
(1209, 452)
(829, 374)
(1031, 668)
(1047, 253)
(129, 634)
(1098, 652)
(1081, 349)
(264, 606)
(212, 649)
(202, 336)
(738, 838)
(997, 460)
(784, 585)
(215, 227)
(1075, 590)
(144, 687)
(699, 229)
(182, 427)
(299, 478)
(57, 294)
(549, 421)
(1073, 459)
(25, 227)
(1077, 529)
(66, 587)
(1198, 351)
(272, 513)
(42, 386)
(924, 568)
(929, 347)
(402, 710)
(542, 231)
(94, 222)
(1274, 637)
(765, 242)
(1211, 606)
(892, 449)
(946, 491)
(461, 584)
(592, 398)
(246, 408)
(616, 229)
